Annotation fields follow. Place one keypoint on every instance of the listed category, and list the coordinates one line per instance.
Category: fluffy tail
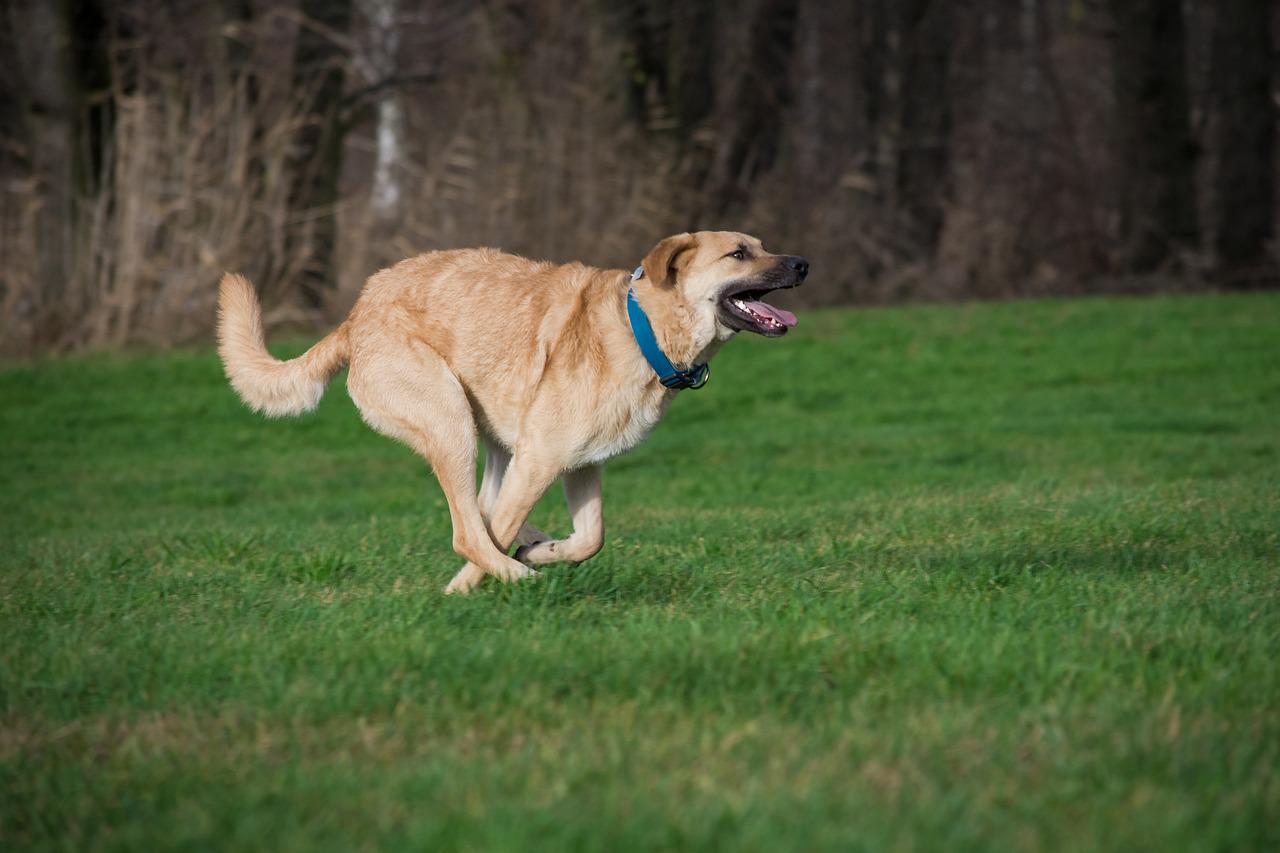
(268, 385)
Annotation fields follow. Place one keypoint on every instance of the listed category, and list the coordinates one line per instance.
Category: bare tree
(1156, 163)
(913, 148)
(750, 121)
(45, 54)
(927, 30)
(669, 61)
(1243, 141)
(319, 75)
(379, 60)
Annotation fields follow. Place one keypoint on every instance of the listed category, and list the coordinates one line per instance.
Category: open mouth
(744, 309)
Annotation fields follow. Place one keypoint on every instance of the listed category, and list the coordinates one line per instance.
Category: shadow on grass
(752, 569)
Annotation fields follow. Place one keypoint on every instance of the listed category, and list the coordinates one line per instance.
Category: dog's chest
(626, 422)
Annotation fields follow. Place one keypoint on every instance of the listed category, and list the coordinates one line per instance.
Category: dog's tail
(268, 385)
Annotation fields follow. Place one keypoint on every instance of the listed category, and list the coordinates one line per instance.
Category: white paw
(467, 579)
(523, 573)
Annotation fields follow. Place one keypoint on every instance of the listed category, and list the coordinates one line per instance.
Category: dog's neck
(673, 324)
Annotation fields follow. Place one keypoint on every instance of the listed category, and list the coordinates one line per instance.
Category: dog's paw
(456, 587)
(465, 580)
(523, 551)
(519, 573)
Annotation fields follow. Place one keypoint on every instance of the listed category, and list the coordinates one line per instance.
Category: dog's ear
(663, 262)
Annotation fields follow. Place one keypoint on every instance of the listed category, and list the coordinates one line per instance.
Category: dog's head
(721, 277)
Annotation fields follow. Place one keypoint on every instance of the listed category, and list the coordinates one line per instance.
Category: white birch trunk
(389, 136)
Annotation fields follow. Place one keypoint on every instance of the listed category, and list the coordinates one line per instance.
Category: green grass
(982, 577)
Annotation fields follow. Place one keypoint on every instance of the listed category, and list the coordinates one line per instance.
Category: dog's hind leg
(583, 493)
(496, 460)
(419, 401)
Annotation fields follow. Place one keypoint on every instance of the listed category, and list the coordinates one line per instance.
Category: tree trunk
(876, 81)
(752, 119)
(61, 53)
(1156, 153)
(1243, 142)
(389, 123)
(670, 52)
(924, 140)
(319, 75)
(44, 49)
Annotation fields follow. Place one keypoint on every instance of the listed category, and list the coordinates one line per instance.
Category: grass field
(982, 577)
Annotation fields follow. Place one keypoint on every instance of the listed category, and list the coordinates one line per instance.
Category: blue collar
(668, 374)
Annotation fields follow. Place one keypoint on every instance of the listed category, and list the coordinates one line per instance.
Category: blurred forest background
(918, 149)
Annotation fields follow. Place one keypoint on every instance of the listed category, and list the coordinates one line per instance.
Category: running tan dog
(541, 360)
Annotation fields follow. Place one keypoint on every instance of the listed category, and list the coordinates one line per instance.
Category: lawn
(984, 577)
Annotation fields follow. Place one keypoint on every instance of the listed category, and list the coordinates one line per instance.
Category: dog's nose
(799, 265)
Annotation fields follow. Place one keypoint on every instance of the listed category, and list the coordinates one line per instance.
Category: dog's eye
(738, 255)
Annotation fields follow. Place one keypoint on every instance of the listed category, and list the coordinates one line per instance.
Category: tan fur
(273, 387)
(536, 358)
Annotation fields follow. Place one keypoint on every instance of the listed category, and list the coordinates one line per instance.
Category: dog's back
(495, 318)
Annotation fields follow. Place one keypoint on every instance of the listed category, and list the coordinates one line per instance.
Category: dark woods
(914, 149)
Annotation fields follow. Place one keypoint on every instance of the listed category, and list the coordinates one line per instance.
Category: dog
(556, 368)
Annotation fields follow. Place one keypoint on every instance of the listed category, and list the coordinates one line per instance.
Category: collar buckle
(693, 378)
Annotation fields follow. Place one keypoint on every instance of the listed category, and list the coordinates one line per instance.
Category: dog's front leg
(496, 460)
(584, 494)
(526, 478)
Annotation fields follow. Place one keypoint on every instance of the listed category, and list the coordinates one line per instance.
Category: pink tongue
(784, 317)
